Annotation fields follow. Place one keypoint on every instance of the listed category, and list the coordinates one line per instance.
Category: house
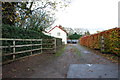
(57, 32)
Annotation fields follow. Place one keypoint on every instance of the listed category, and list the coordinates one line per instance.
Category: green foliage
(87, 33)
(39, 21)
(60, 51)
(36, 14)
(77, 51)
(21, 33)
(8, 13)
(114, 42)
(74, 36)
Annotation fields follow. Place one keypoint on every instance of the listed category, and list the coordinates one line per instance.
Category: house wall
(62, 35)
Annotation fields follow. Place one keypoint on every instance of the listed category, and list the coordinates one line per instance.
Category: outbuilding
(58, 32)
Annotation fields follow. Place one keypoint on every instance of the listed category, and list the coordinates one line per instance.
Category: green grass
(60, 51)
(77, 51)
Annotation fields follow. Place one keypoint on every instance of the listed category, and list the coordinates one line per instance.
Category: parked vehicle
(72, 41)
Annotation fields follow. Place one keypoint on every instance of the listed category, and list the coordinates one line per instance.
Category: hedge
(20, 33)
(111, 41)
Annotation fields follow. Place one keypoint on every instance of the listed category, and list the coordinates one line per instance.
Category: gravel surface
(51, 66)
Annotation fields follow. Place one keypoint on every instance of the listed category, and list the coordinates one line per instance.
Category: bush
(111, 41)
(21, 33)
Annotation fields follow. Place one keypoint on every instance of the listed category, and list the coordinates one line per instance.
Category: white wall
(63, 34)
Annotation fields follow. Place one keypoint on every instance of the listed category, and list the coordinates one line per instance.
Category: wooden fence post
(54, 44)
(31, 48)
(41, 45)
(14, 49)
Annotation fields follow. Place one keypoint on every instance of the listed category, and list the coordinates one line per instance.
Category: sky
(93, 15)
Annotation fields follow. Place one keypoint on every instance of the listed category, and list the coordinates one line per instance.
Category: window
(58, 34)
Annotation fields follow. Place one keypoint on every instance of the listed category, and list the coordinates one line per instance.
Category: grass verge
(77, 51)
(60, 51)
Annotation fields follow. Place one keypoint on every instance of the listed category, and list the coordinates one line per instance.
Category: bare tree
(69, 30)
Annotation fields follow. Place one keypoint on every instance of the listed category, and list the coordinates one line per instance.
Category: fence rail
(10, 52)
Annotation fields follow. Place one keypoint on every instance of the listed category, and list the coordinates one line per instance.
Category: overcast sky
(94, 15)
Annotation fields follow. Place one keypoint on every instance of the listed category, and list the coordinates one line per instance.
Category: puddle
(89, 64)
(86, 52)
(92, 71)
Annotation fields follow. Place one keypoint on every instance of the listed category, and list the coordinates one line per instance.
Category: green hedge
(20, 33)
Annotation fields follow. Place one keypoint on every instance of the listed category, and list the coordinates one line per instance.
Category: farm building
(57, 32)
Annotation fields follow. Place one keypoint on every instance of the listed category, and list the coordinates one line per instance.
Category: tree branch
(41, 7)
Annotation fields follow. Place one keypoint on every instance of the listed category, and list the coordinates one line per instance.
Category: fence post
(14, 49)
(55, 43)
(102, 44)
(31, 47)
(41, 45)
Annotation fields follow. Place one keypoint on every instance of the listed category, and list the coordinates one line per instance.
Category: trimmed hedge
(111, 41)
(21, 33)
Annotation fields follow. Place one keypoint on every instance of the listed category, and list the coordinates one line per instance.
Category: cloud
(90, 14)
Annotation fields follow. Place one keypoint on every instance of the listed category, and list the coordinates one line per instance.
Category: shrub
(19, 33)
(111, 41)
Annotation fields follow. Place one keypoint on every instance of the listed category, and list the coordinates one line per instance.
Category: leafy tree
(21, 12)
(74, 36)
(39, 22)
(12, 10)
(8, 13)
(87, 33)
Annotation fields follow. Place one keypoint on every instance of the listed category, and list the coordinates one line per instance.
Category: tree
(39, 21)
(87, 33)
(74, 36)
(12, 10)
(8, 13)
(20, 12)
(70, 31)
(79, 31)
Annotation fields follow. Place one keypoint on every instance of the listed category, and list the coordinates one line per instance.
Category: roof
(59, 28)
(45, 31)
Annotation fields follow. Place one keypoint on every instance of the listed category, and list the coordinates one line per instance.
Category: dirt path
(51, 66)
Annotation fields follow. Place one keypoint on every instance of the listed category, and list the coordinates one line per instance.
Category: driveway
(51, 66)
